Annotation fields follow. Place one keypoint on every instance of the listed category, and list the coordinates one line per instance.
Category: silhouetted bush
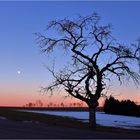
(124, 107)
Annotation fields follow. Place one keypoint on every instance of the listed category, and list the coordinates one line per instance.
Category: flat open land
(24, 125)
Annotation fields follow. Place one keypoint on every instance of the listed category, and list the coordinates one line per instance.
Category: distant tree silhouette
(38, 103)
(62, 104)
(50, 104)
(96, 57)
(124, 107)
(30, 104)
(74, 104)
(79, 104)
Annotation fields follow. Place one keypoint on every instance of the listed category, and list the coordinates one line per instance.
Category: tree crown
(96, 56)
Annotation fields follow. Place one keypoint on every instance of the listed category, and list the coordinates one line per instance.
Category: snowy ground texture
(103, 119)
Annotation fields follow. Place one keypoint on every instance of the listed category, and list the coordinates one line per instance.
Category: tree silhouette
(96, 57)
(38, 103)
(124, 107)
(62, 105)
(74, 104)
(50, 104)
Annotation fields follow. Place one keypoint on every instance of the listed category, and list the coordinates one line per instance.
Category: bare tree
(96, 59)
(62, 105)
(38, 103)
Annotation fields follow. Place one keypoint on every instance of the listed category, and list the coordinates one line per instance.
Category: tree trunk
(92, 118)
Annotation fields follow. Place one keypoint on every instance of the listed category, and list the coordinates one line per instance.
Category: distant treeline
(124, 107)
(39, 103)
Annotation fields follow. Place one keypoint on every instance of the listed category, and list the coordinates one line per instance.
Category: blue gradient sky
(18, 49)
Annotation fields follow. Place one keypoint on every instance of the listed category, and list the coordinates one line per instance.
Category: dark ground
(32, 130)
(26, 125)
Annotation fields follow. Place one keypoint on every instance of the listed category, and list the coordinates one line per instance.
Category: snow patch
(103, 119)
(2, 118)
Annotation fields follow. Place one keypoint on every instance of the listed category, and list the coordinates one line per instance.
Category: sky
(22, 70)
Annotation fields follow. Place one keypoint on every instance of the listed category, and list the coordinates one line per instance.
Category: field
(57, 122)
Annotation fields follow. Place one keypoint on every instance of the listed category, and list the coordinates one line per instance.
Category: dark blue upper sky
(20, 20)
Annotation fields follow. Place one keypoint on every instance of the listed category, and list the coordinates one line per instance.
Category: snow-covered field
(102, 118)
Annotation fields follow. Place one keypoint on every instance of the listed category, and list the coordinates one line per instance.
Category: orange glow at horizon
(22, 95)
(19, 100)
